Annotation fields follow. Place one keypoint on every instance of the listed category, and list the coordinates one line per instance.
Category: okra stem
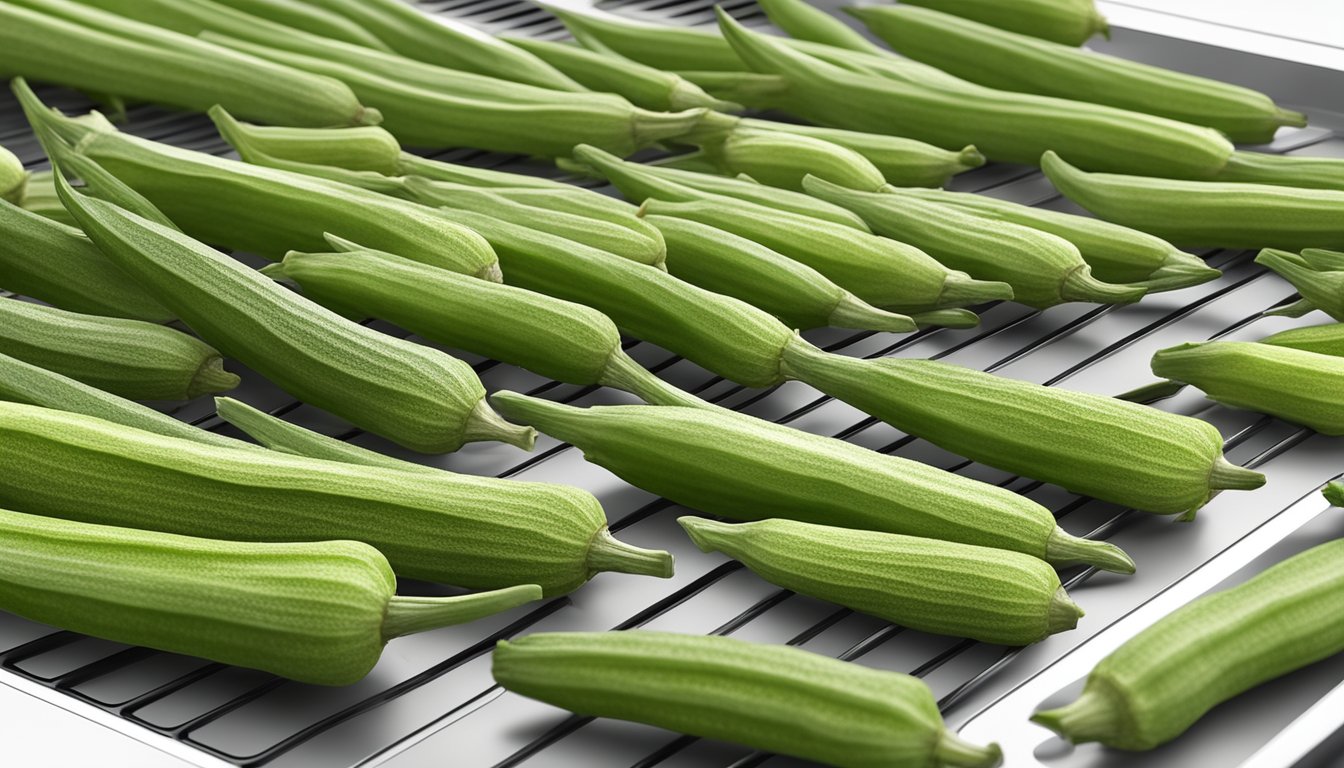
(408, 615)
(607, 553)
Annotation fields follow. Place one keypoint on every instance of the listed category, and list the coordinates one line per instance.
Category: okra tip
(1062, 614)
(367, 116)
(484, 424)
(608, 553)
(955, 752)
(1090, 717)
(211, 378)
(1080, 285)
(947, 318)
(529, 410)
(1227, 476)
(408, 615)
(853, 312)
(1290, 117)
(962, 290)
(970, 157)
(705, 534)
(1334, 493)
(1063, 549)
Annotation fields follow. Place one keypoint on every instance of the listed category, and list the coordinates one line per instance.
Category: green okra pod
(318, 612)
(39, 196)
(1284, 170)
(805, 22)
(363, 148)
(927, 585)
(1011, 61)
(1316, 273)
(1012, 127)
(1070, 22)
(416, 396)
(768, 697)
(1207, 213)
(475, 532)
(1043, 269)
(554, 338)
(1164, 679)
(65, 42)
(725, 463)
(1292, 384)
(300, 14)
(276, 434)
(13, 178)
(130, 358)
(1097, 446)
(1325, 339)
(1116, 254)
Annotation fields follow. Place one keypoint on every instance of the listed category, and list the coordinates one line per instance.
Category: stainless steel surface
(431, 702)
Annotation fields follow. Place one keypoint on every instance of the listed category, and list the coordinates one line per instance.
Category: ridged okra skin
(1043, 269)
(1207, 213)
(768, 697)
(1163, 680)
(39, 196)
(130, 358)
(1097, 446)
(1292, 384)
(1069, 22)
(72, 44)
(1010, 61)
(298, 14)
(480, 533)
(1317, 274)
(1325, 339)
(805, 22)
(985, 594)
(316, 612)
(1011, 127)
(363, 148)
(733, 465)
(1284, 170)
(418, 397)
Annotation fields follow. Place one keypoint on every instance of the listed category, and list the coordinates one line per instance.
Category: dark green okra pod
(768, 697)
(729, 464)
(1292, 384)
(1163, 680)
(927, 585)
(1043, 269)
(1098, 446)
(1317, 274)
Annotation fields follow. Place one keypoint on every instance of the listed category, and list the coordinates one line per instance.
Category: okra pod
(64, 42)
(130, 358)
(768, 697)
(276, 434)
(1116, 254)
(1012, 127)
(364, 148)
(13, 178)
(1043, 269)
(317, 612)
(554, 338)
(418, 397)
(39, 196)
(1292, 384)
(1092, 445)
(1207, 213)
(1011, 61)
(303, 15)
(725, 463)
(1325, 339)
(1163, 680)
(1284, 170)
(930, 586)
(1317, 274)
(475, 532)
(805, 22)
(1070, 22)
(778, 158)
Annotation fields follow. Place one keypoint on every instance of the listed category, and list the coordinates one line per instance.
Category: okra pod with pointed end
(13, 178)
(63, 42)
(768, 697)
(276, 434)
(363, 148)
(130, 358)
(1206, 213)
(418, 397)
(901, 161)
(1012, 127)
(1070, 22)
(1097, 446)
(551, 337)
(317, 612)
(1284, 170)
(1010, 61)
(1325, 339)
(795, 293)
(1320, 282)
(927, 585)
(1292, 384)
(1164, 679)
(1043, 269)
(479, 533)
(1116, 254)
(724, 463)
(804, 22)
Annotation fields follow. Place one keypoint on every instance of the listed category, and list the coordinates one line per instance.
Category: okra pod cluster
(1070, 22)
(1317, 274)
(768, 697)
(1163, 680)
(1097, 446)
(932, 586)
(317, 612)
(1292, 384)
(725, 463)
(479, 533)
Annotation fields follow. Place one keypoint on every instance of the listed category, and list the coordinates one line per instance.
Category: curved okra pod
(1070, 22)
(418, 397)
(1325, 339)
(72, 44)
(1317, 274)
(927, 585)
(804, 22)
(1163, 680)
(1097, 446)
(475, 532)
(13, 178)
(1292, 384)
(1012, 127)
(1284, 170)
(1010, 61)
(1043, 269)
(364, 148)
(130, 358)
(1116, 254)
(1209, 213)
(318, 612)
(554, 338)
(768, 697)
(758, 469)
